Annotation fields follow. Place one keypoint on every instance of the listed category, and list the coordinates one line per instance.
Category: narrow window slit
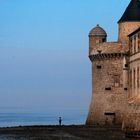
(108, 88)
(109, 113)
(126, 65)
(125, 88)
(99, 66)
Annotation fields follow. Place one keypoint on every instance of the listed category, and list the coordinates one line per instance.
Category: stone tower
(96, 36)
(110, 68)
(130, 21)
(108, 94)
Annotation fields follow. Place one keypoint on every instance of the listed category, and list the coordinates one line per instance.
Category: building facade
(116, 73)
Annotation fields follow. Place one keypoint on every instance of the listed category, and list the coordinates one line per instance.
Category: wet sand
(62, 133)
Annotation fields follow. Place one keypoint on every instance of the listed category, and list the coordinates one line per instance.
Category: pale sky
(44, 61)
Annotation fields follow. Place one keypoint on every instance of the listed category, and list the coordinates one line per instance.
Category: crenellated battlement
(105, 56)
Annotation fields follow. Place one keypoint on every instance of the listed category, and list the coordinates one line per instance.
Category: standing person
(60, 121)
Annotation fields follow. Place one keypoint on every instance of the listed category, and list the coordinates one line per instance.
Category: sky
(44, 62)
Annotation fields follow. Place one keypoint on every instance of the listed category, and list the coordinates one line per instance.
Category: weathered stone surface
(125, 28)
(107, 101)
(116, 78)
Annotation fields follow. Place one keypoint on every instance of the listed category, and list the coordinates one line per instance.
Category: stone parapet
(109, 48)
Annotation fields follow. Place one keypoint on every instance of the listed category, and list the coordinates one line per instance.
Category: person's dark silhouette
(60, 121)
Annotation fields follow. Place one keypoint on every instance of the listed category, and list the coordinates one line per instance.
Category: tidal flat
(73, 132)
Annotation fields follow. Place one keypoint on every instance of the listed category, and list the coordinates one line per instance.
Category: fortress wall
(106, 47)
(107, 106)
(131, 120)
(135, 89)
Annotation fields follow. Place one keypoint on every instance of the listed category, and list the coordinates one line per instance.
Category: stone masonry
(116, 73)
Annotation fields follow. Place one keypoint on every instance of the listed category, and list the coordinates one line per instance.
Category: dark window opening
(125, 88)
(139, 42)
(138, 83)
(104, 40)
(109, 113)
(108, 88)
(131, 50)
(99, 67)
(135, 44)
(126, 65)
(134, 74)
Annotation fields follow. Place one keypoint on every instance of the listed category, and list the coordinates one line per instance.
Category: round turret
(96, 35)
(98, 31)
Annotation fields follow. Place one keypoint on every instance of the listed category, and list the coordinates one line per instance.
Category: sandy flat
(62, 133)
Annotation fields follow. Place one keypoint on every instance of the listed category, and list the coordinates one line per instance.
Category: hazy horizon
(44, 61)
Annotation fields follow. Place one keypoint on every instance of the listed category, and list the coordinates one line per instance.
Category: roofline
(131, 12)
(128, 21)
(137, 30)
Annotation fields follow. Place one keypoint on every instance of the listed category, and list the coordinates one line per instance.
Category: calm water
(45, 118)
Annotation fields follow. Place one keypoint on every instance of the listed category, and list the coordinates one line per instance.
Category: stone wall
(108, 47)
(132, 117)
(131, 120)
(108, 96)
(125, 28)
(95, 41)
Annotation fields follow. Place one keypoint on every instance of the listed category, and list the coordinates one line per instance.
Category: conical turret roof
(132, 12)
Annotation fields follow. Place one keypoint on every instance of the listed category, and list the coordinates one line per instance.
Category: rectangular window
(130, 45)
(130, 78)
(103, 40)
(138, 77)
(109, 113)
(134, 79)
(138, 41)
(116, 80)
(130, 82)
(125, 88)
(108, 88)
(134, 44)
(99, 66)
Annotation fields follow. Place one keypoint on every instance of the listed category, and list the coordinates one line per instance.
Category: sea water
(69, 117)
